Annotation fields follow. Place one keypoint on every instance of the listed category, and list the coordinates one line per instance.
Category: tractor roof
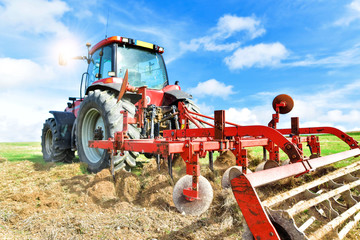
(127, 41)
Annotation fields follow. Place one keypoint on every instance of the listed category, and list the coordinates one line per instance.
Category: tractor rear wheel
(50, 144)
(98, 119)
(191, 106)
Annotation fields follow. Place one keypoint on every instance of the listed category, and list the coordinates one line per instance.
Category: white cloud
(28, 96)
(36, 16)
(102, 20)
(227, 26)
(259, 55)
(16, 72)
(208, 43)
(334, 106)
(242, 116)
(211, 87)
(338, 116)
(230, 24)
(205, 109)
(84, 9)
(352, 14)
(81, 14)
(341, 59)
(22, 117)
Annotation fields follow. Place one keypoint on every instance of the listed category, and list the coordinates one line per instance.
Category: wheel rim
(92, 121)
(48, 142)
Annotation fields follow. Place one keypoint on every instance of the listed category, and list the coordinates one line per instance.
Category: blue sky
(235, 55)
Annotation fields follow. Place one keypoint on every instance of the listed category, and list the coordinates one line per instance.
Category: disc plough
(312, 210)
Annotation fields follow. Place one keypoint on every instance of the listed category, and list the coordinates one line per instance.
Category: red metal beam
(251, 208)
(264, 177)
(330, 130)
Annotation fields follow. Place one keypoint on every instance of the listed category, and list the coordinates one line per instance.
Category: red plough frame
(192, 144)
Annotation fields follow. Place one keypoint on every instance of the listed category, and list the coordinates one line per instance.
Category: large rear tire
(98, 119)
(50, 144)
(190, 105)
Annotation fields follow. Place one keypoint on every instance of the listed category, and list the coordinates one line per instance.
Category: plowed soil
(52, 201)
(49, 201)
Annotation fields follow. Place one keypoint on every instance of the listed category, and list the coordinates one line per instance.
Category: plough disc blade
(197, 206)
(327, 207)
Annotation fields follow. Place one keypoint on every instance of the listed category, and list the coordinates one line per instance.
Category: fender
(175, 95)
(104, 86)
(64, 122)
(115, 87)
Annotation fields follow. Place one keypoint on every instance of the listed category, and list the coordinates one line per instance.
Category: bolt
(271, 234)
(293, 156)
(288, 146)
(187, 145)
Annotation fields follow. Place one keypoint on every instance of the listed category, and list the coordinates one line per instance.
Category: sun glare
(68, 49)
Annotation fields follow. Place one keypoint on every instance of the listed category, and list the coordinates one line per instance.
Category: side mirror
(64, 57)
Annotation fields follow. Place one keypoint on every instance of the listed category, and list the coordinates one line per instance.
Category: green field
(30, 151)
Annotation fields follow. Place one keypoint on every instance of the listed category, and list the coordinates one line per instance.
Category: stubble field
(63, 201)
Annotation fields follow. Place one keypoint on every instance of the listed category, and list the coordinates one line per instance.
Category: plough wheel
(225, 180)
(266, 165)
(283, 98)
(198, 206)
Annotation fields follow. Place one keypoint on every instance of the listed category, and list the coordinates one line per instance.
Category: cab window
(144, 67)
(100, 65)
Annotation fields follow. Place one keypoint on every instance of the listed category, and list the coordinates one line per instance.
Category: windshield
(145, 68)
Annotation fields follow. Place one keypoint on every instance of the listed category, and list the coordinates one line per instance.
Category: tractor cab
(111, 58)
(123, 75)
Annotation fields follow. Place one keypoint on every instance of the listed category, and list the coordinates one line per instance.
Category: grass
(30, 151)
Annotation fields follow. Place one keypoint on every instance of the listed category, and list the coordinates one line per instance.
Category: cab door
(101, 65)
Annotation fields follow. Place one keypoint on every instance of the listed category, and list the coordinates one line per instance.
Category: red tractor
(117, 68)
(129, 107)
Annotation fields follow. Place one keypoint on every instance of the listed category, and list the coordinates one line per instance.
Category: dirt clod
(103, 193)
(103, 175)
(127, 186)
(157, 191)
(225, 159)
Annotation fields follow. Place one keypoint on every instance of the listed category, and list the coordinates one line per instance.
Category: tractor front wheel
(98, 119)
